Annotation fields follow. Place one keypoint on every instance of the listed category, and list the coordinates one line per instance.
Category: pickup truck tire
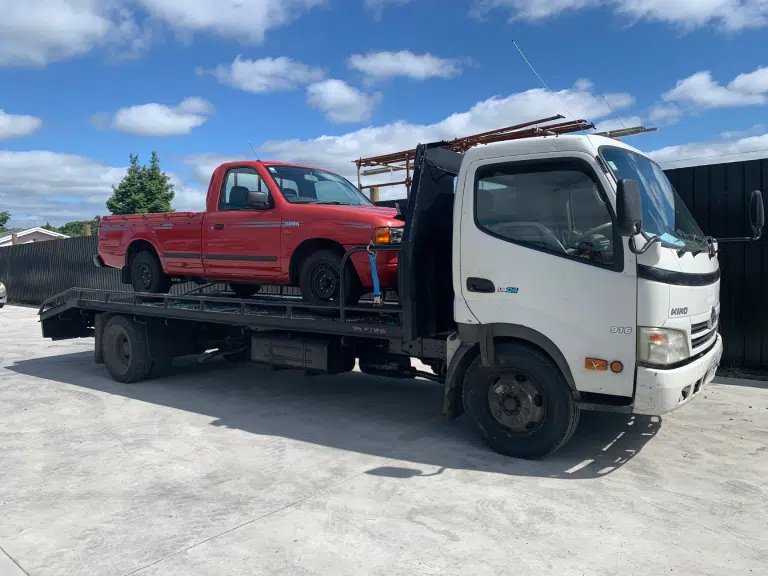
(320, 279)
(244, 290)
(522, 406)
(147, 274)
(126, 350)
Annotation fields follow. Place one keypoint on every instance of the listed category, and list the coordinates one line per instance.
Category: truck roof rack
(403, 160)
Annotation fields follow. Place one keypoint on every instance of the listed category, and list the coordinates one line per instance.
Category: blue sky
(83, 83)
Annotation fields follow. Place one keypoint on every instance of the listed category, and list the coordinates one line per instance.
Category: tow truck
(541, 272)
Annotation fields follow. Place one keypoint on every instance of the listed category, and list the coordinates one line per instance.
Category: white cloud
(665, 114)
(204, 164)
(336, 153)
(161, 120)
(39, 186)
(381, 65)
(703, 91)
(36, 32)
(619, 123)
(377, 6)
(687, 14)
(341, 103)
(699, 153)
(243, 20)
(18, 125)
(265, 75)
(736, 134)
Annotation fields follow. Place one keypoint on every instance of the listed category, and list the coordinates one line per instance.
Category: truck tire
(244, 290)
(126, 350)
(147, 274)
(522, 406)
(320, 279)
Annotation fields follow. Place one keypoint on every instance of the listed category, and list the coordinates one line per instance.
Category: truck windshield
(664, 213)
(310, 186)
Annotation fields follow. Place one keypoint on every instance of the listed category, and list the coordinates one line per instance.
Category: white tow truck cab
(577, 271)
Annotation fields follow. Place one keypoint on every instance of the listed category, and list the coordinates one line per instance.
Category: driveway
(222, 469)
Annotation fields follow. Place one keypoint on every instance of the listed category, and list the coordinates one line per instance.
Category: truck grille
(702, 334)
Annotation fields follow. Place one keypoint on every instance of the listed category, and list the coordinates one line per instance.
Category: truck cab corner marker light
(617, 367)
(596, 364)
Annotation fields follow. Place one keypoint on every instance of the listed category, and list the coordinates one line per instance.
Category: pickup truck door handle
(218, 226)
(480, 285)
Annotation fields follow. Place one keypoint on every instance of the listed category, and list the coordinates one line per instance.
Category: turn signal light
(381, 236)
(616, 366)
(595, 364)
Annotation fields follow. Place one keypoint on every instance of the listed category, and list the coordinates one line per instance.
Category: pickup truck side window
(237, 184)
(552, 207)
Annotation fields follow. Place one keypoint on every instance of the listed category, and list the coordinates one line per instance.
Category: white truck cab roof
(543, 144)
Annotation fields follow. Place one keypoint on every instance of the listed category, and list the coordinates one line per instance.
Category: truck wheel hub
(145, 275)
(516, 402)
(324, 282)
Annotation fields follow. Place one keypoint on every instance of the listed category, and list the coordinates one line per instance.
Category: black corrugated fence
(36, 271)
(716, 195)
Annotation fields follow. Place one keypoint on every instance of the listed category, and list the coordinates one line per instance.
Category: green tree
(76, 228)
(4, 217)
(144, 189)
(47, 226)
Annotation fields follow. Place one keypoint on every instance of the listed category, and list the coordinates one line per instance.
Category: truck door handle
(480, 285)
(218, 226)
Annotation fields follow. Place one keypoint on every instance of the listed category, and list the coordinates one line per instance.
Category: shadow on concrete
(396, 419)
(745, 380)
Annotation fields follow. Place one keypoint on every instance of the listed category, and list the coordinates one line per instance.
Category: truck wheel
(320, 279)
(522, 406)
(126, 350)
(147, 274)
(244, 290)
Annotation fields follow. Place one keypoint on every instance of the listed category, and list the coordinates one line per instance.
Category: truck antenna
(550, 90)
(254, 151)
(614, 112)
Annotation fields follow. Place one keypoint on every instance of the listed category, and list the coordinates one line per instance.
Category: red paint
(262, 241)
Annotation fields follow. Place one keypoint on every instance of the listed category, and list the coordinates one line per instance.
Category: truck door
(239, 241)
(538, 251)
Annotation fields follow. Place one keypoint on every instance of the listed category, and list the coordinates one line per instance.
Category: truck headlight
(662, 346)
(387, 235)
(2, 289)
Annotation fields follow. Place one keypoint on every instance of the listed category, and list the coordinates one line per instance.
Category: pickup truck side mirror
(257, 200)
(629, 208)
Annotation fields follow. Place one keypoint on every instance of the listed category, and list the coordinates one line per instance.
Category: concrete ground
(235, 470)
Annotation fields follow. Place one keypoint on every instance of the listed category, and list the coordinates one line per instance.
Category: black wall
(718, 197)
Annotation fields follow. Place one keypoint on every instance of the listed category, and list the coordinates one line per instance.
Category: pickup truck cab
(264, 223)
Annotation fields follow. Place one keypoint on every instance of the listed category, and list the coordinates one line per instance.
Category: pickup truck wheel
(522, 406)
(147, 274)
(320, 279)
(126, 351)
(244, 290)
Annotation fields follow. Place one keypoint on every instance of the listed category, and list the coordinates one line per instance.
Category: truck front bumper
(660, 391)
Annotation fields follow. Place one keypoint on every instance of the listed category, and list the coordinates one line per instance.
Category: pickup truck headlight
(662, 346)
(387, 235)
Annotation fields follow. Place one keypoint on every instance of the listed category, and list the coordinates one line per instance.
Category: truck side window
(555, 207)
(237, 184)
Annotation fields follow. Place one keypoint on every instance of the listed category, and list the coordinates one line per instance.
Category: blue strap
(375, 276)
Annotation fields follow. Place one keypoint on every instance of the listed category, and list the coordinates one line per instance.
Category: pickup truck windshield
(309, 186)
(664, 213)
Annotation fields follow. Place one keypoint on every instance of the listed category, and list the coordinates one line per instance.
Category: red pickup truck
(265, 223)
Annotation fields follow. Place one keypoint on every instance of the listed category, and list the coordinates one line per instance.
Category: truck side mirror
(257, 200)
(629, 208)
(756, 214)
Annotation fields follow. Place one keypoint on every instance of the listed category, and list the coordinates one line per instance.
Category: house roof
(20, 233)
